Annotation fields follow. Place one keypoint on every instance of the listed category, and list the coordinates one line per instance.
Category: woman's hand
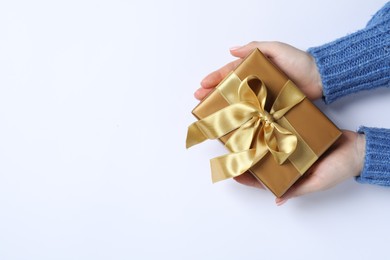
(299, 66)
(344, 160)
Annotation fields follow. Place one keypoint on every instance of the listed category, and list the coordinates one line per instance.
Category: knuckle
(253, 43)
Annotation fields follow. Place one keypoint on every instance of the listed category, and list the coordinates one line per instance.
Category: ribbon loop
(255, 131)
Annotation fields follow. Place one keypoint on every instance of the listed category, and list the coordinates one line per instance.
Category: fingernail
(197, 92)
(235, 48)
(280, 202)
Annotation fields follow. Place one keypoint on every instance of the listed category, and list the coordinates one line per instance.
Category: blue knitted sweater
(361, 61)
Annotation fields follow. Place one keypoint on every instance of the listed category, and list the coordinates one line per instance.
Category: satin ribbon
(254, 131)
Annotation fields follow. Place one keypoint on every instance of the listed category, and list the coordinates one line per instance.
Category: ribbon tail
(234, 164)
(231, 165)
(194, 136)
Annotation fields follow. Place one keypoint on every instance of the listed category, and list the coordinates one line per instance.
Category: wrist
(360, 153)
(317, 81)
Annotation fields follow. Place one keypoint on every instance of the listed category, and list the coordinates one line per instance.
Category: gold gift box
(313, 129)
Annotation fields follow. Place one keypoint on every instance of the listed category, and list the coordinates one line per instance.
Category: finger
(249, 180)
(213, 79)
(304, 186)
(307, 184)
(201, 93)
(270, 49)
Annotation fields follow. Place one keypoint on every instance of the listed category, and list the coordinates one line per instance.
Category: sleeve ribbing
(359, 61)
(376, 168)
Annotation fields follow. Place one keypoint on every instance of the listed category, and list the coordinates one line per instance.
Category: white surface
(95, 100)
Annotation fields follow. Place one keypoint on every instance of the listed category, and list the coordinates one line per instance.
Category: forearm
(359, 61)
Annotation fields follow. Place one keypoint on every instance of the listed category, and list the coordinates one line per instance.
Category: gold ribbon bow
(256, 131)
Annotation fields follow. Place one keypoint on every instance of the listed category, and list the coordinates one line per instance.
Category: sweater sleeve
(359, 61)
(376, 168)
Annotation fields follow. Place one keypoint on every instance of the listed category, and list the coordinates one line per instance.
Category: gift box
(270, 128)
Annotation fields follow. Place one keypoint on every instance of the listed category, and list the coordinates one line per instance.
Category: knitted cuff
(376, 168)
(359, 61)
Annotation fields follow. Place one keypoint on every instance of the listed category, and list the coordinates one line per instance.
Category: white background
(95, 100)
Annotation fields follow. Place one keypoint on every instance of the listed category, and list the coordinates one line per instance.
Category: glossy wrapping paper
(290, 134)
